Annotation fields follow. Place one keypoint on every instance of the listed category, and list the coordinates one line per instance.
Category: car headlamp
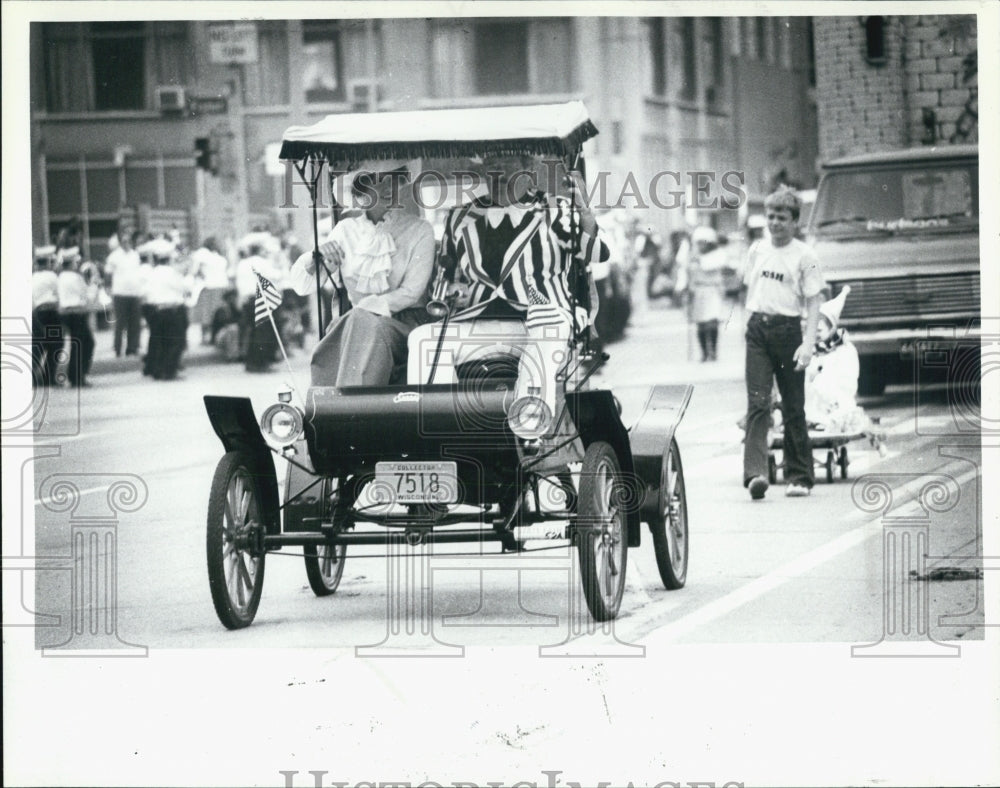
(529, 417)
(282, 423)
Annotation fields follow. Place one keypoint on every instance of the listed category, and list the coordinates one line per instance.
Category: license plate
(419, 482)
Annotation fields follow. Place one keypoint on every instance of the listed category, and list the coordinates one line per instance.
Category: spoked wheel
(324, 567)
(235, 558)
(325, 562)
(670, 528)
(601, 536)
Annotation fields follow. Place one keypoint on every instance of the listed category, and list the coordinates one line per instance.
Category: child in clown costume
(832, 379)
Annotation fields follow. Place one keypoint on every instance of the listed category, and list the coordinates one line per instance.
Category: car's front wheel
(233, 544)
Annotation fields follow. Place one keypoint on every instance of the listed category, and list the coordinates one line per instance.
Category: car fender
(596, 416)
(236, 425)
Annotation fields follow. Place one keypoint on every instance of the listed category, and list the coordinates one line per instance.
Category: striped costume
(518, 262)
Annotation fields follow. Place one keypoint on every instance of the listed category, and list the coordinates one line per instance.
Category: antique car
(440, 463)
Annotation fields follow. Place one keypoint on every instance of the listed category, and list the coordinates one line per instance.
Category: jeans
(771, 344)
(127, 322)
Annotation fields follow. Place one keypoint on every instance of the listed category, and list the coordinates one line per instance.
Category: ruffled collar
(368, 251)
(832, 342)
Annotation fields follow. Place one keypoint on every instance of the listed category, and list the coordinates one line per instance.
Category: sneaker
(757, 487)
(796, 490)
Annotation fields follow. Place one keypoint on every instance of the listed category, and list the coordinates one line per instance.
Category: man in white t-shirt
(126, 292)
(783, 279)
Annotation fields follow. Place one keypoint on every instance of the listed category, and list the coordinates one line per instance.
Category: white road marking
(792, 569)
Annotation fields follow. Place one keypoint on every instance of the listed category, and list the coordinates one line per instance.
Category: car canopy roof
(539, 129)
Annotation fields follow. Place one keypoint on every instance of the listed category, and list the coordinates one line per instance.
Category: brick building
(895, 82)
(117, 107)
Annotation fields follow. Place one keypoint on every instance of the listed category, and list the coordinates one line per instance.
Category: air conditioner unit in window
(171, 99)
(363, 94)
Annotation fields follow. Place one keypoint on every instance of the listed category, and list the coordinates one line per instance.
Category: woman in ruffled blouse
(384, 258)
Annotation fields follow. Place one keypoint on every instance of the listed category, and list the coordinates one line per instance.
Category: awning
(539, 129)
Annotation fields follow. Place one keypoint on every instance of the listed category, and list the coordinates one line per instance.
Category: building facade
(894, 82)
(176, 124)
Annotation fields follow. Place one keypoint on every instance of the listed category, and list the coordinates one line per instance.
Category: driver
(385, 257)
(514, 247)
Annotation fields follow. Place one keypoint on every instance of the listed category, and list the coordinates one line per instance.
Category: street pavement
(693, 689)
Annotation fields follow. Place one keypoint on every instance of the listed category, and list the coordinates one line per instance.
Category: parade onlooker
(166, 293)
(783, 278)
(46, 328)
(226, 326)
(259, 341)
(74, 311)
(124, 267)
(706, 289)
(210, 271)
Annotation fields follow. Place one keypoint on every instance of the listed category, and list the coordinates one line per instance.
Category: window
(501, 58)
(714, 59)
(322, 77)
(760, 37)
(112, 66)
(266, 81)
(118, 50)
(507, 57)
(689, 64)
(658, 55)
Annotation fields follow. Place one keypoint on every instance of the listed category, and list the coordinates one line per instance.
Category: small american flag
(268, 299)
(541, 313)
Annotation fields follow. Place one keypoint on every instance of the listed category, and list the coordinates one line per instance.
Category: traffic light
(206, 155)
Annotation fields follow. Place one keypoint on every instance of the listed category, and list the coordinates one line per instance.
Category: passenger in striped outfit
(513, 248)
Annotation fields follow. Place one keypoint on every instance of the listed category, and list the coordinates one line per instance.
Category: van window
(922, 199)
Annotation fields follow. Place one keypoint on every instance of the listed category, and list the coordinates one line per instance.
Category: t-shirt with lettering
(780, 278)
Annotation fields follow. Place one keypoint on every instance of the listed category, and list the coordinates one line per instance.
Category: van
(902, 229)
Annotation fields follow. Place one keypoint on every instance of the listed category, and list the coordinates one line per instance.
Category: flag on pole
(268, 299)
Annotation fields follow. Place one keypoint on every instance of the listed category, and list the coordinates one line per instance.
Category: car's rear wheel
(670, 525)
(601, 538)
(324, 567)
(233, 544)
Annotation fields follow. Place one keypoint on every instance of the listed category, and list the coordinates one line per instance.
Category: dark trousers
(127, 322)
(708, 339)
(261, 343)
(46, 343)
(771, 343)
(81, 346)
(167, 339)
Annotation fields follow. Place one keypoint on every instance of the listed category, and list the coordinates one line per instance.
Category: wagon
(432, 464)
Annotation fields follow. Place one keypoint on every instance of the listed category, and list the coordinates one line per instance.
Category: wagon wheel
(843, 461)
(600, 532)
(235, 557)
(325, 562)
(324, 567)
(670, 526)
(829, 467)
(772, 469)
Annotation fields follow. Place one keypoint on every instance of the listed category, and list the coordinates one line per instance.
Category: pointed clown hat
(831, 309)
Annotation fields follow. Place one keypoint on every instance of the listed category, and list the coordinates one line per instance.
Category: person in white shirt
(385, 258)
(210, 271)
(46, 328)
(166, 294)
(123, 265)
(704, 282)
(74, 310)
